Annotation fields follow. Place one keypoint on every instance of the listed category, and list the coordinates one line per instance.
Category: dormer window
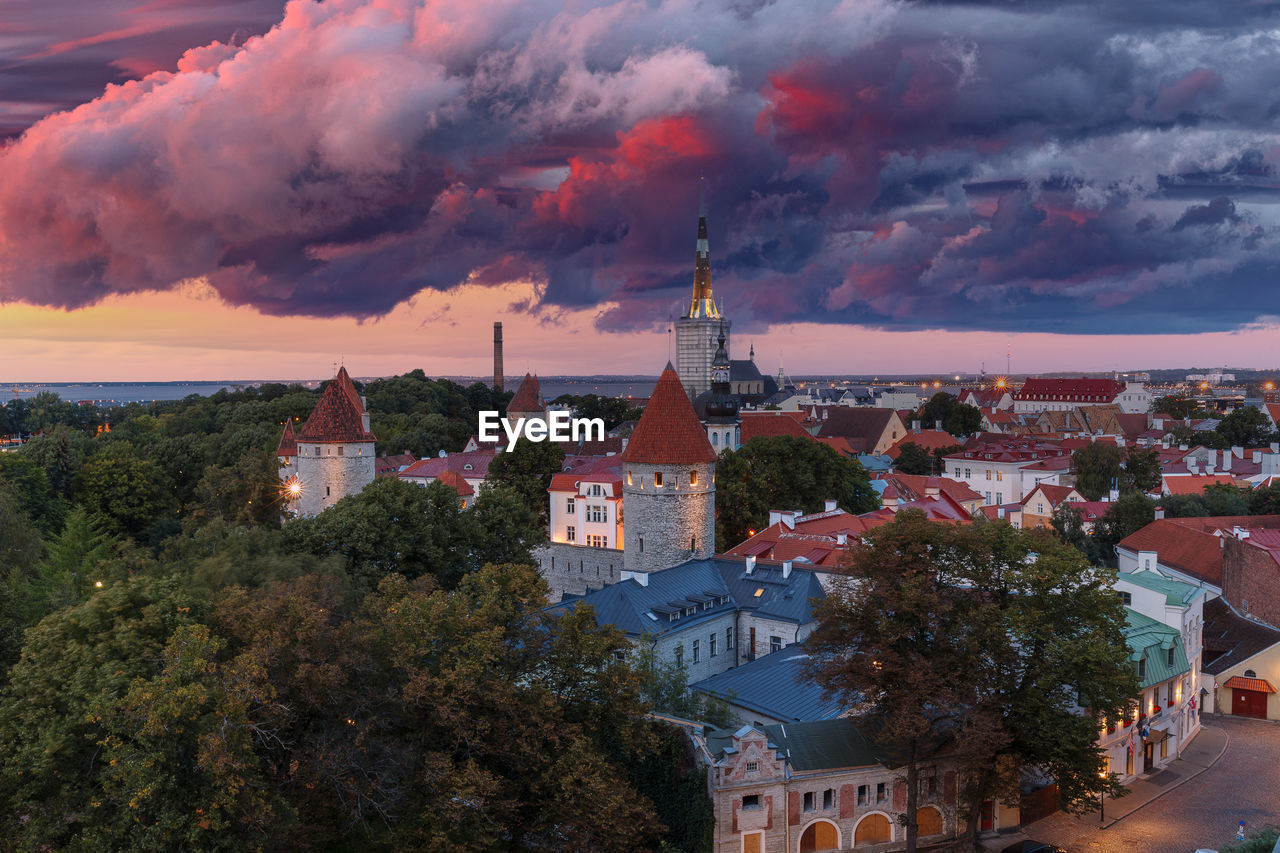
(1142, 667)
(467, 467)
(1170, 661)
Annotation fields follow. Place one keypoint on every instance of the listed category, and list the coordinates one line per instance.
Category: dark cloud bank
(1005, 165)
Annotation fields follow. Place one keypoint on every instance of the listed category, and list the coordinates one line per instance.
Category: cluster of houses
(632, 534)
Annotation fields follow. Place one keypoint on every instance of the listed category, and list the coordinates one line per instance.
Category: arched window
(715, 438)
(1248, 673)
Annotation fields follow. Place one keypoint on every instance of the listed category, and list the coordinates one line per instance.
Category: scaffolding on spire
(703, 305)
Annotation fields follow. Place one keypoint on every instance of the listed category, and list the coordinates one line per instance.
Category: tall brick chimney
(497, 357)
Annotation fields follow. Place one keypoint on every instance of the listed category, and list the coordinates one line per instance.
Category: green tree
(914, 459)
(1265, 500)
(1142, 471)
(21, 548)
(1246, 427)
(67, 574)
(963, 420)
(783, 472)
(1175, 406)
(61, 452)
(886, 643)
(31, 485)
(1068, 525)
(664, 686)
(247, 492)
(987, 635)
(938, 409)
(1097, 467)
(77, 664)
(129, 495)
(1128, 515)
(612, 410)
(526, 469)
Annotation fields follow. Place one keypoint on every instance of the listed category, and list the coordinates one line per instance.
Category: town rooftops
(770, 424)
(528, 397)
(850, 422)
(774, 685)
(454, 480)
(669, 432)
(338, 416)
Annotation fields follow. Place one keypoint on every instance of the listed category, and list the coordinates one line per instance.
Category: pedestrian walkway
(1197, 757)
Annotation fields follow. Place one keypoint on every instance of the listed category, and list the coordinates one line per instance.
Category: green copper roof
(1152, 640)
(1177, 593)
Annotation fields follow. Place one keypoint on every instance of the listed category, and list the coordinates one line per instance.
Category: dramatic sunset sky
(253, 189)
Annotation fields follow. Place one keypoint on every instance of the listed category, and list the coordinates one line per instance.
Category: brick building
(815, 786)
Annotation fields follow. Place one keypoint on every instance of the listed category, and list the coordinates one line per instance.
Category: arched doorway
(928, 821)
(873, 829)
(820, 835)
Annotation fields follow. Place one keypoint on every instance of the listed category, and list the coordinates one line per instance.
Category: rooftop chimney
(786, 568)
(497, 357)
(1159, 513)
(751, 564)
(830, 505)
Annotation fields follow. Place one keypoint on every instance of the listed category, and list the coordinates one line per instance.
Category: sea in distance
(119, 393)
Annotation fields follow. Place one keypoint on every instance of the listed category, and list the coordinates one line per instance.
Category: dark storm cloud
(1000, 165)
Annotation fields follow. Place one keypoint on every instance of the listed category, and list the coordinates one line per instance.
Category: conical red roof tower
(339, 416)
(288, 441)
(669, 432)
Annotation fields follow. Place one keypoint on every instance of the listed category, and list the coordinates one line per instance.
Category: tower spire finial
(703, 304)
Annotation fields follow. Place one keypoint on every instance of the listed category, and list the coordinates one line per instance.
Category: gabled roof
(1151, 639)
(528, 397)
(1231, 639)
(774, 685)
(339, 414)
(825, 745)
(770, 424)
(454, 480)
(669, 432)
(857, 422)
(1195, 484)
(472, 466)
(1054, 494)
(288, 441)
(389, 466)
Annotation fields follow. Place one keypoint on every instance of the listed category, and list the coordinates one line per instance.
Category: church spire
(702, 305)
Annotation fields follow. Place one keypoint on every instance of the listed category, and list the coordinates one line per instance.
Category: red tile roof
(1080, 390)
(288, 441)
(338, 415)
(857, 422)
(769, 425)
(1239, 682)
(454, 480)
(1190, 544)
(1194, 484)
(669, 432)
(1054, 494)
(915, 486)
(389, 466)
(473, 466)
(528, 397)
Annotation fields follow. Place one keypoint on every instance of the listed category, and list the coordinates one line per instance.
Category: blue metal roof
(775, 686)
(637, 609)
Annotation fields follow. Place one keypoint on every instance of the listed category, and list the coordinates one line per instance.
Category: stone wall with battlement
(576, 569)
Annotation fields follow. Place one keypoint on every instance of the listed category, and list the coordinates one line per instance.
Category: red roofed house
(1039, 504)
(1003, 469)
(335, 449)
(770, 424)
(1189, 549)
(1041, 395)
(471, 466)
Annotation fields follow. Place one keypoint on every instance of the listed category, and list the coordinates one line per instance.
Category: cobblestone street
(1202, 812)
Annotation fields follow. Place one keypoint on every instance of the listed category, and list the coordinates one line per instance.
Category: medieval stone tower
(334, 450)
(668, 483)
(697, 330)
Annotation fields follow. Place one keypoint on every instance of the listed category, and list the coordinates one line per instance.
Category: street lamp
(1102, 796)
